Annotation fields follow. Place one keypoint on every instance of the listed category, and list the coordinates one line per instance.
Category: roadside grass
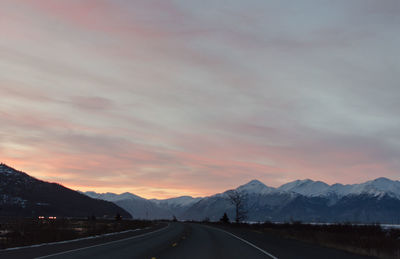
(369, 240)
(26, 231)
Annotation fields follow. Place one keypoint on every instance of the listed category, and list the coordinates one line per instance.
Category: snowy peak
(377, 187)
(178, 201)
(128, 196)
(113, 197)
(305, 187)
(255, 186)
(384, 184)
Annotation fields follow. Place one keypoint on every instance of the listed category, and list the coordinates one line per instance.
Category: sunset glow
(167, 98)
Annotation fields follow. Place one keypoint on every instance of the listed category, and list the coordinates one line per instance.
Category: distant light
(41, 217)
(51, 217)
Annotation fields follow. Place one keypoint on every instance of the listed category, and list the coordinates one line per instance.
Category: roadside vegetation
(27, 231)
(370, 240)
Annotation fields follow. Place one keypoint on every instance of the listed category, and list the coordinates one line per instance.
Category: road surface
(184, 240)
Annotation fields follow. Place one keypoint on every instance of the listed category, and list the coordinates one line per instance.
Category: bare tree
(238, 200)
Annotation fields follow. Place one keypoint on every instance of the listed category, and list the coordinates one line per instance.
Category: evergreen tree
(224, 218)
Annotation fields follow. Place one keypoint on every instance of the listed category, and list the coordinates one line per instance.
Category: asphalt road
(185, 240)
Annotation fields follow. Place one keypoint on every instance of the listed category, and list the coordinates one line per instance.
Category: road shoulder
(286, 247)
(59, 247)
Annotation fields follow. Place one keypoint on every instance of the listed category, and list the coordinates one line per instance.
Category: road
(184, 240)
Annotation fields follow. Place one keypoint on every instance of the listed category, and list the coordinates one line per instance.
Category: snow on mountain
(255, 186)
(305, 200)
(377, 187)
(178, 201)
(113, 197)
(23, 195)
(6, 170)
(339, 189)
(305, 187)
(146, 209)
(181, 201)
(138, 207)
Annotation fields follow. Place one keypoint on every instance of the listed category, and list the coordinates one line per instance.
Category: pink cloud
(160, 98)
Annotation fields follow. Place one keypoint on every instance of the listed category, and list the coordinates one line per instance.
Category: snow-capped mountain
(109, 196)
(307, 200)
(305, 187)
(147, 209)
(138, 207)
(259, 198)
(181, 201)
(255, 186)
(378, 187)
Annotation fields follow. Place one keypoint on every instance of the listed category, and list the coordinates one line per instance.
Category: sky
(167, 98)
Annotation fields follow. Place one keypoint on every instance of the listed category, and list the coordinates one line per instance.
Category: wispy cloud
(164, 98)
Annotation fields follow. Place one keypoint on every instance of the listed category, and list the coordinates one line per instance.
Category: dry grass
(24, 231)
(370, 240)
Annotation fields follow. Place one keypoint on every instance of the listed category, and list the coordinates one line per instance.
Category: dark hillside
(23, 195)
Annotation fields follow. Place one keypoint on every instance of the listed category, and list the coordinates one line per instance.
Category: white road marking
(247, 242)
(72, 240)
(103, 244)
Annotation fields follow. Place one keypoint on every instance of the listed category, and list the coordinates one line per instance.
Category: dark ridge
(25, 196)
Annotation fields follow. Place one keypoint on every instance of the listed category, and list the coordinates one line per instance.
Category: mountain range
(24, 196)
(304, 200)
